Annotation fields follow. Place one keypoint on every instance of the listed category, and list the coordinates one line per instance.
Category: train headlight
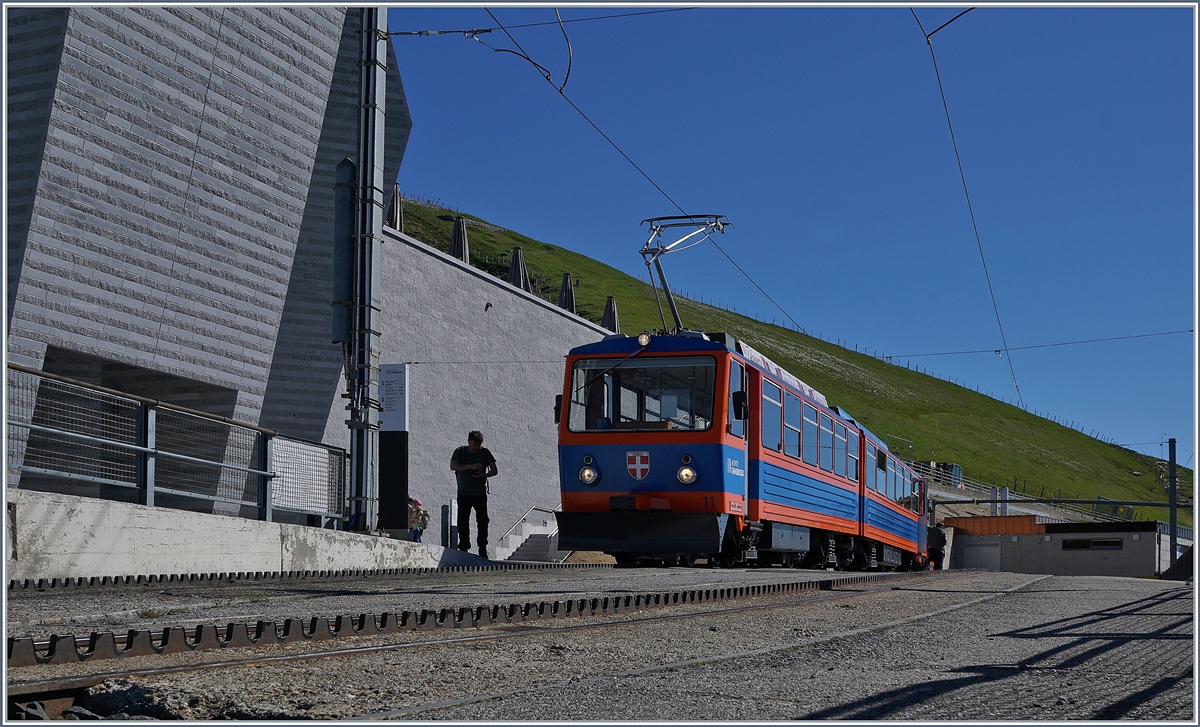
(686, 474)
(589, 475)
(644, 340)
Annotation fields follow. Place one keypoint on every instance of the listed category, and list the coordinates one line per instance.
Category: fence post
(265, 466)
(146, 425)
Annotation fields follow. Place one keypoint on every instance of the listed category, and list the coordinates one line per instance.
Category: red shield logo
(638, 464)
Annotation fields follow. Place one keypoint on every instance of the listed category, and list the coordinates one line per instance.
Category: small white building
(1020, 544)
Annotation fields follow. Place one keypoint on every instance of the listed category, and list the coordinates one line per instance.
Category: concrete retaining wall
(490, 357)
(63, 536)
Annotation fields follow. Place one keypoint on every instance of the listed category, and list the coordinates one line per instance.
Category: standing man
(472, 465)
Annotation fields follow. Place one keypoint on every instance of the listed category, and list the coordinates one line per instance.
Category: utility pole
(1174, 502)
(363, 362)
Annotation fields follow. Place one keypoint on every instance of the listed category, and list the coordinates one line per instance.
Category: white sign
(393, 395)
(773, 368)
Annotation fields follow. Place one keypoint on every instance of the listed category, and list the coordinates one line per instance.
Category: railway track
(101, 646)
(513, 621)
(16, 586)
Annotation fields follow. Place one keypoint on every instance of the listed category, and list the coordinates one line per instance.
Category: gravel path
(977, 647)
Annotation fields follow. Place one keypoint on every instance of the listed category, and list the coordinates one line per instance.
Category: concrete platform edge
(64, 536)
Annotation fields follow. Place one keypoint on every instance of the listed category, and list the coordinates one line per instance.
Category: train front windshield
(643, 393)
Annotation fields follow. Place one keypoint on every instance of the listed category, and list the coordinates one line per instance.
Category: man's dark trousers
(465, 503)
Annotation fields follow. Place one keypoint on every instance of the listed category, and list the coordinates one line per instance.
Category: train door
(738, 462)
(922, 529)
(860, 443)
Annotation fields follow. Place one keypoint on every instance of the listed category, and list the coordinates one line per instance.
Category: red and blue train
(689, 446)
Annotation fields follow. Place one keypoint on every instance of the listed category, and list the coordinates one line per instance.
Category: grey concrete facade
(170, 190)
(179, 175)
(488, 356)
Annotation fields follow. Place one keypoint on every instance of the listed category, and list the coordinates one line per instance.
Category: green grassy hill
(992, 440)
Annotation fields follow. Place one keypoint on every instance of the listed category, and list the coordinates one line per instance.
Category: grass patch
(993, 441)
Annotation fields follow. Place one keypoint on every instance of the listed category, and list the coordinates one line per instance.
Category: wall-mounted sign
(393, 395)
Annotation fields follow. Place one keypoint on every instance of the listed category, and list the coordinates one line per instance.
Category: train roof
(780, 373)
(658, 344)
(866, 432)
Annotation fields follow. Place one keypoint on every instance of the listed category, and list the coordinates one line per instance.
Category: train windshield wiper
(608, 370)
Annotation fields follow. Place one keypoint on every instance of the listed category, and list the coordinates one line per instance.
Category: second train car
(680, 447)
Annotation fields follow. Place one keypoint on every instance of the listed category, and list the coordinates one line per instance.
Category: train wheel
(687, 560)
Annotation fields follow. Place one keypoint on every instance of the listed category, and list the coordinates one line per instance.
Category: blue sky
(820, 132)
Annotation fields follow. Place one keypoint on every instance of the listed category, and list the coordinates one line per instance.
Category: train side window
(737, 383)
(881, 473)
(826, 443)
(839, 449)
(772, 416)
(869, 468)
(791, 425)
(891, 479)
(810, 435)
(852, 457)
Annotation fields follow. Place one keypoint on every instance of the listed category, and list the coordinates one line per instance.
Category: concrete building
(1022, 544)
(170, 180)
(170, 192)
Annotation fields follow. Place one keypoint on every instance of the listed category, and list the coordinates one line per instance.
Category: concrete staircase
(540, 548)
(537, 521)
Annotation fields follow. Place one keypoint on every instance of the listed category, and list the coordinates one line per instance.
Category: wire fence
(105, 429)
(307, 478)
(76, 438)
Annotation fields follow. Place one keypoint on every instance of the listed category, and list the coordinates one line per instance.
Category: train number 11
(710, 502)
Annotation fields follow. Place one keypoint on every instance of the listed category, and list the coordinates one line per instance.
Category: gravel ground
(83, 610)
(404, 638)
(1020, 648)
(977, 647)
(1062, 648)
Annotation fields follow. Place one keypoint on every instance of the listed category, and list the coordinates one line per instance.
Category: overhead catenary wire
(570, 52)
(663, 192)
(479, 363)
(473, 31)
(966, 192)
(1043, 345)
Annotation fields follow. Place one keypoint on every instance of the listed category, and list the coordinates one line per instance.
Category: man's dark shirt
(468, 484)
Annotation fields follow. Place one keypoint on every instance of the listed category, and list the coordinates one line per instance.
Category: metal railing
(525, 518)
(77, 438)
(943, 479)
